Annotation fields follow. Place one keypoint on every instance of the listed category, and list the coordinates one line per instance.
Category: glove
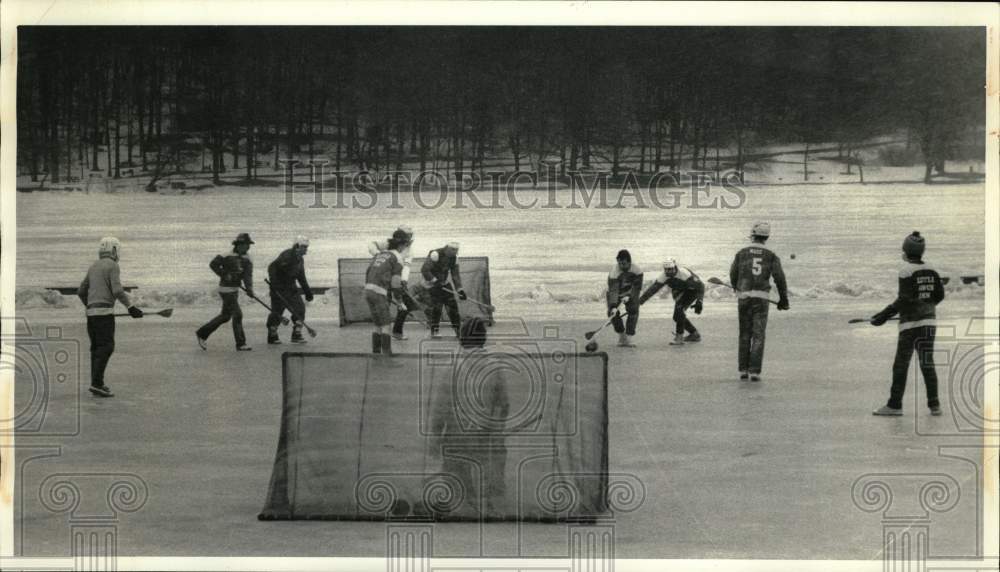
(612, 311)
(134, 312)
(402, 307)
(880, 318)
(625, 300)
(461, 295)
(783, 303)
(309, 296)
(697, 307)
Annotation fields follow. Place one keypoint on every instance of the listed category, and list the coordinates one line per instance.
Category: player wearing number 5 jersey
(750, 274)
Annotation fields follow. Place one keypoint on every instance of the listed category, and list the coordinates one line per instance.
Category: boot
(297, 335)
(376, 343)
(625, 340)
(693, 337)
(386, 344)
(272, 336)
(678, 340)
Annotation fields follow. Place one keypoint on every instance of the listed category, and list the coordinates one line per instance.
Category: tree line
(153, 100)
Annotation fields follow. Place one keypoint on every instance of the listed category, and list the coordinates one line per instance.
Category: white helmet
(669, 265)
(110, 246)
(406, 228)
(301, 240)
(762, 229)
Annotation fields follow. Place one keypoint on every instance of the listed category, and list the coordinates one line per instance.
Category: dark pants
(630, 322)
(401, 315)
(922, 340)
(681, 304)
(230, 311)
(282, 300)
(753, 324)
(101, 330)
(441, 298)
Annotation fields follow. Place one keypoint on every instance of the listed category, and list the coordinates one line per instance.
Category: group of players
(750, 274)
(386, 284)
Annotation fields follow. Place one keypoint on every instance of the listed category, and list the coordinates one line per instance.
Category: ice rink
(729, 469)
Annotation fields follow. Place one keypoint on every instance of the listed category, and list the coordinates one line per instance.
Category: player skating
(284, 272)
(235, 269)
(624, 286)
(687, 290)
(441, 273)
(408, 302)
(750, 275)
(382, 281)
(100, 288)
(920, 291)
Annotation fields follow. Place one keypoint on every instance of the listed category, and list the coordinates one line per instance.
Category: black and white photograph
(441, 286)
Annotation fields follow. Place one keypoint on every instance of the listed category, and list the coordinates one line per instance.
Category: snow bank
(562, 294)
(34, 298)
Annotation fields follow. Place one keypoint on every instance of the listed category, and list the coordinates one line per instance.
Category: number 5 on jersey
(756, 266)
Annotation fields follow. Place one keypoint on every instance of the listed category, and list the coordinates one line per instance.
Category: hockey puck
(792, 256)
(592, 347)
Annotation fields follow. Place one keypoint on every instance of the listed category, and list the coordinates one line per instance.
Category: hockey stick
(714, 280)
(488, 307)
(166, 313)
(284, 320)
(590, 335)
(312, 332)
(410, 311)
(860, 320)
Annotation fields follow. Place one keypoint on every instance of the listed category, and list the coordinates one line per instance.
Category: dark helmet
(624, 255)
(243, 238)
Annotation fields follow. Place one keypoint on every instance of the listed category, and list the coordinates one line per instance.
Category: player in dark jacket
(284, 272)
(687, 290)
(751, 274)
(234, 269)
(920, 291)
(624, 286)
(100, 289)
(441, 274)
(383, 285)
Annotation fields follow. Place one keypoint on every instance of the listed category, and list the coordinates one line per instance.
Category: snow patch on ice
(40, 298)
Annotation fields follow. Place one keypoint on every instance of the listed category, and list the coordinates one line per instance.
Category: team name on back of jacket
(925, 285)
(383, 266)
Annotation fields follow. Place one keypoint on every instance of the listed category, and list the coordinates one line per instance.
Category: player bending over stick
(624, 285)
(287, 269)
(687, 290)
(441, 264)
